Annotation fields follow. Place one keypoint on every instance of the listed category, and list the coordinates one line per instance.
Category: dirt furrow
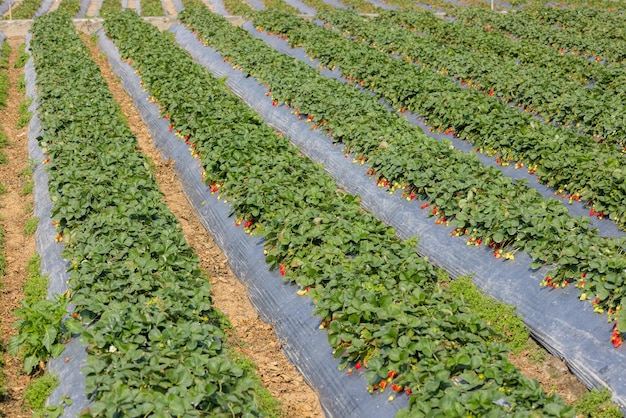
(255, 339)
(170, 9)
(92, 10)
(55, 5)
(15, 209)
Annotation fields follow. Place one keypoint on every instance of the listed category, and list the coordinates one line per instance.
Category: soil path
(15, 209)
(208, 4)
(255, 339)
(55, 5)
(94, 7)
(170, 9)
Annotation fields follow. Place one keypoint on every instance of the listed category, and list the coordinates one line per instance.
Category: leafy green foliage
(41, 332)
(142, 304)
(280, 5)
(238, 8)
(110, 6)
(597, 404)
(71, 7)
(25, 10)
(28, 188)
(36, 285)
(38, 391)
(31, 226)
(379, 302)
(5, 50)
(539, 83)
(569, 163)
(491, 209)
(152, 8)
(54, 411)
(523, 24)
(499, 315)
(24, 113)
(22, 56)
(4, 89)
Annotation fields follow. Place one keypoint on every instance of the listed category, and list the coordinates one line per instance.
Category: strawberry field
(363, 162)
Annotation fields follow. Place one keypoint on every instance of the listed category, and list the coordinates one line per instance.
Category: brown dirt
(55, 5)
(170, 9)
(255, 339)
(92, 10)
(18, 248)
(552, 373)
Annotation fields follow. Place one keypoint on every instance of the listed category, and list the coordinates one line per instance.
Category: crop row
(380, 303)
(152, 8)
(564, 160)
(590, 73)
(480, 201)
(608, 23)
(25, 10)
(535, 86)
(154, 340)
(520, 25)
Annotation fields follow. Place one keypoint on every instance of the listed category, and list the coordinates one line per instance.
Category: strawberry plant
(521, 25)
(478, 39)
(533, 86)
(379, 302)
(41, 332)
(478, 200)
(72, 7)
(110, 6)
(238, 8)
(25, 10)
(143, 306)
(586, 20)
(152, 8)
(565, 161)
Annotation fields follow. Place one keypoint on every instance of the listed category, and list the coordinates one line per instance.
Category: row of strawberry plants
(155, 343)
(561, 158)
(380, 303)
(152, 8)
(520, 25)
(608, 23)
(72, 7)
(589, 111)
(480, 201)
(486, 39)
(25, 10)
